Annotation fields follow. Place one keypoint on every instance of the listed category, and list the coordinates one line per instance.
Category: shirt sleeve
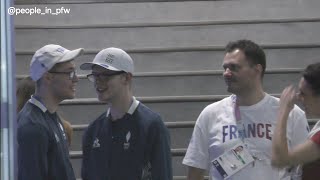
(316, 138)
(197, 154)
(160, 157)
(33, 142)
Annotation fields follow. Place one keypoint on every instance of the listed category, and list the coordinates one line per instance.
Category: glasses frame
(72, 74)
(103, 76)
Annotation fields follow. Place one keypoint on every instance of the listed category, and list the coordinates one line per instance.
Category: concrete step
(180, 135)
(119, 14)
(191, 83)
(171, 109)
(296, 33)
(177, 157)
(192, 59)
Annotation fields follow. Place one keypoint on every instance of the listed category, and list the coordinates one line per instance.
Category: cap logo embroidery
(61, 50)
(110, 58)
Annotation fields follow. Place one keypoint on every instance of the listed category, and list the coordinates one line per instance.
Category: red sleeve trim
(316, 138)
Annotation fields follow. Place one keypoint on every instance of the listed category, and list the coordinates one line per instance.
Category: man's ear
(259, 68)
(128, 77)
(47, 77)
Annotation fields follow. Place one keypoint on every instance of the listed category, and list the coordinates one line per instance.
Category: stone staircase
(177, 47)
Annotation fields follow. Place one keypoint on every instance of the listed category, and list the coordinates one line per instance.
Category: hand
(288, 98)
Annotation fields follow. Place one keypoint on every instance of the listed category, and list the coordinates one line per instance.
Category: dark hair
(312, 75)
(253, 52)
(25, 88)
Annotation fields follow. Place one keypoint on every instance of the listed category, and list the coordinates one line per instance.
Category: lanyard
(240, 125)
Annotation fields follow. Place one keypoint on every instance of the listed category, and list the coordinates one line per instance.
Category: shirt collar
(38, 103)
(132, 108)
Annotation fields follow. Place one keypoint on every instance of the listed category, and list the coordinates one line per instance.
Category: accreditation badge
(233, 160)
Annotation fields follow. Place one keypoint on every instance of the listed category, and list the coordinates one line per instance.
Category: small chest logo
(57, 138)
(96, 143)
(126, 144)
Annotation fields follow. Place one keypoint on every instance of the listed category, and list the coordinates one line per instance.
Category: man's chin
(103, 99)
(230, 89)
(71, 96)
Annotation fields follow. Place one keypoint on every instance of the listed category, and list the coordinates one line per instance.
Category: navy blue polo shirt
(43, 152)
(135, 147)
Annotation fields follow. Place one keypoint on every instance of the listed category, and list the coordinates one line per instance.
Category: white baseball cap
(49, 55)
(114, 59)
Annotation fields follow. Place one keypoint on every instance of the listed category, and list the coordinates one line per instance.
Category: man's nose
(227, 72)
(75, 78)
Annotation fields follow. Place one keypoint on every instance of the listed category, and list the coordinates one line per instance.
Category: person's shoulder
(28, 128)
(272, 100)
(31, 115)
(94, 126)
(218, 105)
(98, 121)
(275, 101)
(145, 111)
(148, 118)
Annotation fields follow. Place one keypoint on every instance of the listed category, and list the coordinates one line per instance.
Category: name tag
(232, 160)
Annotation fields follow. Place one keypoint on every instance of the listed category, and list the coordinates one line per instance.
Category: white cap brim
(71, 55)
(89, 66)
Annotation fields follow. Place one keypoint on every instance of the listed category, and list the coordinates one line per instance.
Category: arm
(161, 152)
(32, 152)
(197, 155)
(281, 155)
(195, 173)
(85, 153)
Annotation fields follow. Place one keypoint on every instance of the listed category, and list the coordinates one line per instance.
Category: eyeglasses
(71, 74)
(102, 76)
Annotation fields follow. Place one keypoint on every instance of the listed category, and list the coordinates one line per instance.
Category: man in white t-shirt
(247, 117)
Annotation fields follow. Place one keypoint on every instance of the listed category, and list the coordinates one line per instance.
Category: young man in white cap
(42, 144)
(128, 141)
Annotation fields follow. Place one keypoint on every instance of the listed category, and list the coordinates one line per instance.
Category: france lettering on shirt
(253, 130)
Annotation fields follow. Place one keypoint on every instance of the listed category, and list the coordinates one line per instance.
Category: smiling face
(108, 84)
(62, 85)
(309, 99)
(240, 76)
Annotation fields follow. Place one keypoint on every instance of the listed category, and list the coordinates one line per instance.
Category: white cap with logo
(46, 57)
(114, 59)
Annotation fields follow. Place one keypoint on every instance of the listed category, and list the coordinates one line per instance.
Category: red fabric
(316, 138)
